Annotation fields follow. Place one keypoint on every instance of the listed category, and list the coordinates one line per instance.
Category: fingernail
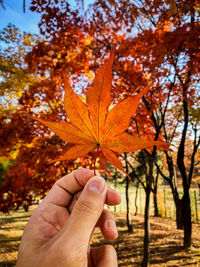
(111, 224)
(96, 186)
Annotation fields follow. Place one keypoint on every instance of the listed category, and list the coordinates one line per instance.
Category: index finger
(66, 187)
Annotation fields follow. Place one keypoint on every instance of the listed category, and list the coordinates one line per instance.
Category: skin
(60, 229)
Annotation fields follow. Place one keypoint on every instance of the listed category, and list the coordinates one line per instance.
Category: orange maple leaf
(93, 126)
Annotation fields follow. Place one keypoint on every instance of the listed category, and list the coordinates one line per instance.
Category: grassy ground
(166, 241)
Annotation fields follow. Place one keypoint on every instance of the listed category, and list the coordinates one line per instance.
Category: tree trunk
(177, 201)
(136, 195)
(129, 226)
(156, 211)
(187, 223)
(172, 180)
(155, 190)
(186, 178)
(179, 217)
(26, 206)
(145, 261)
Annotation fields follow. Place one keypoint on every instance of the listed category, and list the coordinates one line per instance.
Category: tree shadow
(6, 220)
(7, 264)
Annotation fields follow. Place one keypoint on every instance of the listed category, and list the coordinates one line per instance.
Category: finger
(107, 225)
(73, 202)
(64, 189)
(112, 198)
(106, 222)
(85, 213)
(104, 256)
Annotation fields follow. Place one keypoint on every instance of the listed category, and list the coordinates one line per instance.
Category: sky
(28, 21)
(13, 13)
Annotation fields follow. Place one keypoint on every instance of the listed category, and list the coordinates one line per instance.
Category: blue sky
(28, 21)
(13, 13)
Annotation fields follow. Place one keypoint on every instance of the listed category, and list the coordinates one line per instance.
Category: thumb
(86, 211)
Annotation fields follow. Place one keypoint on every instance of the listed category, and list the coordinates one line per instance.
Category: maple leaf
(93, 126)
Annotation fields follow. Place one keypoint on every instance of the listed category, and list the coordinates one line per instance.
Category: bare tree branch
(1, 3)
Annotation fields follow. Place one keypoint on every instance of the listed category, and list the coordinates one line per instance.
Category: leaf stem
(95, 159)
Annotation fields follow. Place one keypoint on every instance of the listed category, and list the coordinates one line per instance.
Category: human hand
(60, 229)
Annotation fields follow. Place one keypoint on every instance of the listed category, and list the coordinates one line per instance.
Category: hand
(60, 229)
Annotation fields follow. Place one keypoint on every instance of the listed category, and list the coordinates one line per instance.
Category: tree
(18, 142)
(15, 78)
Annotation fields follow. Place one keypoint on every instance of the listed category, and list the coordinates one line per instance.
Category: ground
(166, 241)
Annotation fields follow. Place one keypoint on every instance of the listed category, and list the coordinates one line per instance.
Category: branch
(169, 137)
(137, 128)
(1, 3)
(162, 174)
(49, 104)
(106, 44)
(24, 6)
(143, 161)
(149, 17)
(196, 144)
(168, 97)
(153, 118)
(177, 123)
(135, 174)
